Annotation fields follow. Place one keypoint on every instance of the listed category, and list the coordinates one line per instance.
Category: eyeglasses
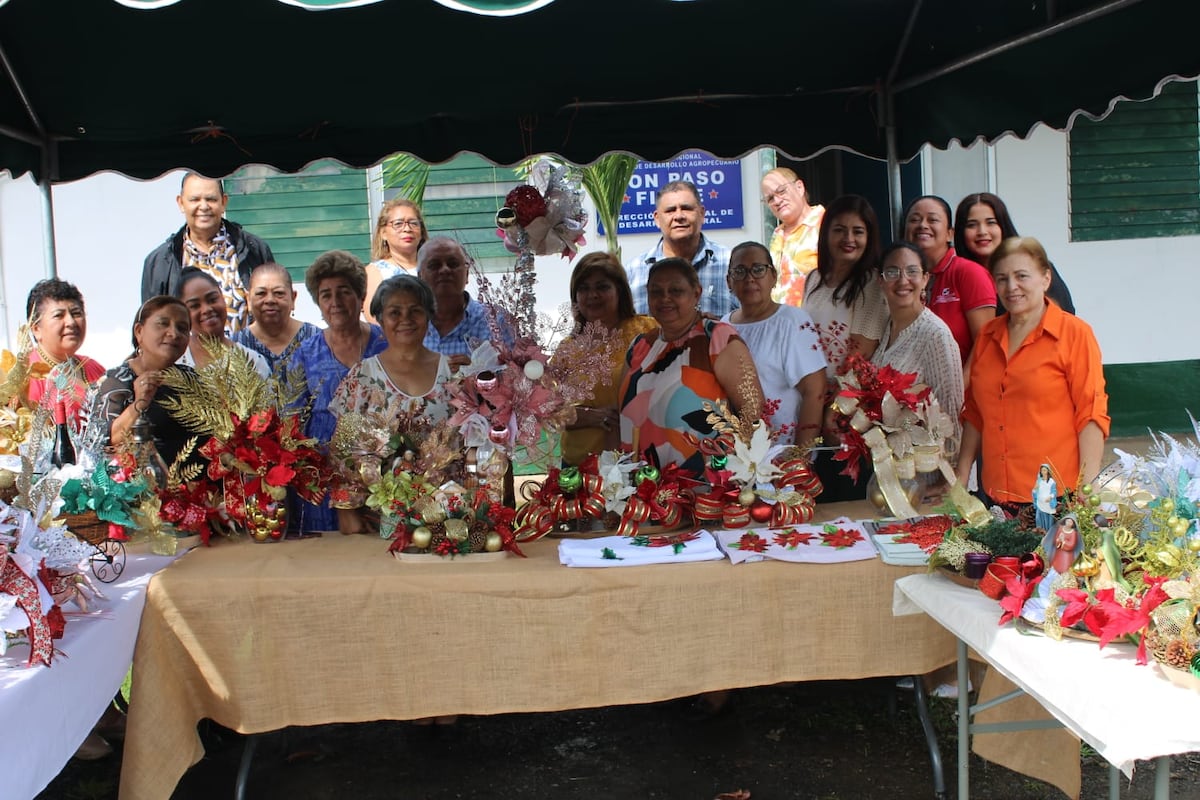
(401, 224)
(893, 273)
(777, 194)
(739, 272)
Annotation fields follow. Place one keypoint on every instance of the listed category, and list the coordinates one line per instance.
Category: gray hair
(402, 283)
(428, 247)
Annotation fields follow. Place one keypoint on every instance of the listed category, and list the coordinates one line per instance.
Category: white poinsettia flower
(483, 358)
(615, 469)
(752, 464)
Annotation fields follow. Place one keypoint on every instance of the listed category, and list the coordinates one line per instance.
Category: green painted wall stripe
(1154, 396)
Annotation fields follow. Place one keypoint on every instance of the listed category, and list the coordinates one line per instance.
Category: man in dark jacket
(210, 242)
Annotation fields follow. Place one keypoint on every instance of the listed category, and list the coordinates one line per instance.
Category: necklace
(684, 332)
(49, 359)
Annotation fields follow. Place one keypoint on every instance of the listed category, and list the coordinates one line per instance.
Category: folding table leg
(1162, 778)
(251, 745)
(935, 752)
(964, 725)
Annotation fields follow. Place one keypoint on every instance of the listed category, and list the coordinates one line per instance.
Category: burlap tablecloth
(259, 637)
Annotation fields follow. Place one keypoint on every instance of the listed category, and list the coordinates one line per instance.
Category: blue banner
(719, 182)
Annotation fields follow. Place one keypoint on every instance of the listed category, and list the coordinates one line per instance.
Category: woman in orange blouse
(1036, 389)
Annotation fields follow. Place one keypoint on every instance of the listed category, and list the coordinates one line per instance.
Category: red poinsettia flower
(261, 422)
(1078, 604)
(840, 538)
(792, 538)
(751, 542)
(1017, 591)
(1109, 618)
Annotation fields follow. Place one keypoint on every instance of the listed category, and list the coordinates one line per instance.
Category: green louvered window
(1136, 173)
(461, 200)
(325, 207)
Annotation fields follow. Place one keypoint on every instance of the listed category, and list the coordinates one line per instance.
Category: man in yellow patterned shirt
(794, 243)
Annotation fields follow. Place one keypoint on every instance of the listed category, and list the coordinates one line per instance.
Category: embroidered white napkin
(622, 551)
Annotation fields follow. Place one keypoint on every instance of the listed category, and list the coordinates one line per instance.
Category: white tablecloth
(47, 712)
(1124, 711)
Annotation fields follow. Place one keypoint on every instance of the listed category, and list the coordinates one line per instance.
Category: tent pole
(895, 195)
(48, 247)
(45, 187)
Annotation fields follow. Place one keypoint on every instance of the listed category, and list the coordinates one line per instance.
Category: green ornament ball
(719, 462)
(569, 480)
(648, 473)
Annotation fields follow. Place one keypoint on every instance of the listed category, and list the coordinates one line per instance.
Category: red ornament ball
(760, 511)
(528, 204)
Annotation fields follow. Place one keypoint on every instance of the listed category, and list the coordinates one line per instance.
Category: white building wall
(1137, 294)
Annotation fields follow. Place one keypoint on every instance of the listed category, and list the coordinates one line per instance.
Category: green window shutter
(1136, 173)
(301, 215)
(461, 200)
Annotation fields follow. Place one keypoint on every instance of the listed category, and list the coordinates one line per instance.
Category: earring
(697, 306)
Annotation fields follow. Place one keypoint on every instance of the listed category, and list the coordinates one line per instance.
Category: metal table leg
(964, 725)
(248, 749)
(935, 752)
(1162, 778)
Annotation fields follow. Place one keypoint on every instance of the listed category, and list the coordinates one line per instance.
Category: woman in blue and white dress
(399, 233)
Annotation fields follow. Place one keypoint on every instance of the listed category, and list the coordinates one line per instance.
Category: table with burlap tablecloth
(262, 636)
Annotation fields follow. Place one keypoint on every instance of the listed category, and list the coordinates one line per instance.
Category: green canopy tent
(145, 86)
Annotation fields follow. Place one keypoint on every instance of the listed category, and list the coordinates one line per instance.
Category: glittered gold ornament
(457, 529)
(421, 537)
(746, 497)
(1085, 566)
(429, 510)
(494, 543)
(1194, 544)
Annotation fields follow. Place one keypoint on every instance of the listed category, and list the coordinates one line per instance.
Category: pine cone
(438, 529)
(478, 536)
(1179, 654)
(1027, 519)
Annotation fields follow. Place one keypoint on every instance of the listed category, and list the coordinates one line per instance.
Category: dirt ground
(812, 741)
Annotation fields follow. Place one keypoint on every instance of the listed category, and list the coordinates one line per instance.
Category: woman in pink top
(960, 291)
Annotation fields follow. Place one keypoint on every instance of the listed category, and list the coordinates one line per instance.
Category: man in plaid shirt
(680, 216)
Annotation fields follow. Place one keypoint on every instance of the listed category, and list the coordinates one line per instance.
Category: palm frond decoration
(407, 173)
(606, 181)
(208, 398)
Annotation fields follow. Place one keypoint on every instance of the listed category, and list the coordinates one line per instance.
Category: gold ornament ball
(1168, 505)
(493, 543)
(1172, 522)
(8, 479)
(746, 497)
(259, 535)
(421, 537)
(1085, 566)
(1086, 489)
(1094, 501)
(1194, 544)
(875, 495)
(457, 530)
(1181, 527)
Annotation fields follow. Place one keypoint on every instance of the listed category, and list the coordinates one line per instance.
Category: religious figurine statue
(1063, 544)
(1045, 498)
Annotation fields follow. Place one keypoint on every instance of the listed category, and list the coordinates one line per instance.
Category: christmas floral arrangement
(1133, 573)
(451, 521)
(751, 476)
(41, 567)
(545, 216)
(253, 442)
(111, 490)
(400, 458)
(885, 416)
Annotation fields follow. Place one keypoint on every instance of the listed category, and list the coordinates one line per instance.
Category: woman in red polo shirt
(960, 291)
(1036, 389)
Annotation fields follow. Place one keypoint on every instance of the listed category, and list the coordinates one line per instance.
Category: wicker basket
(87, 526)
